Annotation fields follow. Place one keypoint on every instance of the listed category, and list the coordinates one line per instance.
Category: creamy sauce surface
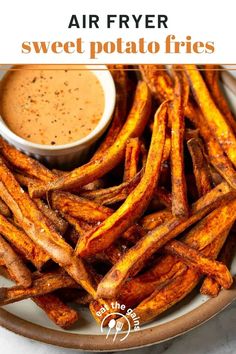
(51, 104)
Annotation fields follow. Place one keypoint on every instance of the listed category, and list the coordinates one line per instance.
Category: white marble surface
(217, 336)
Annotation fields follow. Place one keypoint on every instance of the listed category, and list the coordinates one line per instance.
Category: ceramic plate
(26, 319)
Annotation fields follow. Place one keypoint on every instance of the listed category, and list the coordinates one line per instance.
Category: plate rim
(144, 337)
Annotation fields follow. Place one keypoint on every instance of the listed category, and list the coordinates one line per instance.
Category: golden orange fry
(61, 314)
(135, 258)
(177, 110)
(23, 243)
(214, 118)
(212, 78)
(137, 201)
(37, 227)
(131, 159)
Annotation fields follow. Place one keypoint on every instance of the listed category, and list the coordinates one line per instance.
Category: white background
(27, 20)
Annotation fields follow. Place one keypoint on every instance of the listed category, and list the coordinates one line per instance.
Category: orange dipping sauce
(51, 104)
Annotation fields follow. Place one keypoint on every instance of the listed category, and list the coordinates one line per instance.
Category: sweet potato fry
(141, 247)
(201, 264)
(176, 289)
(59, 223)
(161, 300)
(138, 288)
(216, 155)
(120, 78)
(43, 284)
(133, 127)
(39, 229)
(164, 90)
(4, 210)
(61, 314)
(213, 116)
(150, 221)
(78, 212)
(162, 87)
(18, 270)
(131, 159)
(112, 195)
(211, 76)
(25, 180)
(211, 286)
(216, 222)
(78, 207)
(158, 80)
(165, 268)
(137, 201)
(25, 163)
(177, 110)
(134, 259)
(200, 166)
(23, 243)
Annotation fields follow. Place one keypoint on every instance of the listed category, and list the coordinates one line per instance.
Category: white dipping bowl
(75, 153)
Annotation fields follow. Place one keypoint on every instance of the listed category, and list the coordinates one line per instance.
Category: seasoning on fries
(144, 220)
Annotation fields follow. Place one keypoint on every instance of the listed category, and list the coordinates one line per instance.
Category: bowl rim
(144, 337)
(106, 80)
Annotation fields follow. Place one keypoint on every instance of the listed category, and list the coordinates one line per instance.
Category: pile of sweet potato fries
(145, 220)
